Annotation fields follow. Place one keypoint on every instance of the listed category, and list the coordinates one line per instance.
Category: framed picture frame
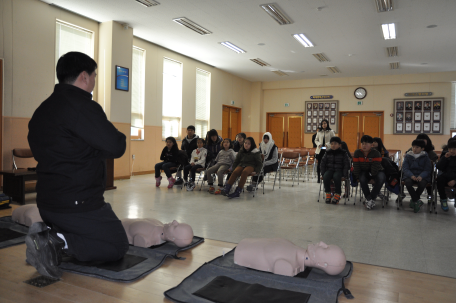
(427, 116)
(409, 105)
(408, 116)
(436, 105)
(315, 113)
(400, 106)
(418, 115)
(417, 127)
(309, 127)
(318, 111)
(333, 105)
(309, 120)
(326, 105)
(332, 121)
(399, 127)
(309, 113)
(122, 78)
(418, 105)
(326, 113)
(399, 117)
(427, 105)
(319, 120)
(321, 105)
(436, 127)
(436, 116)
(314, 120)
(408, 127)
(333, 113)
(314, 128)
(426, 127)
(309, 105)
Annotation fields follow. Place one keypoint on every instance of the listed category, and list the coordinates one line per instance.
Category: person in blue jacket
(417, 168)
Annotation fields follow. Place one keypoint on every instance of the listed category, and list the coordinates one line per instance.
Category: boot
(336, 199)
(236, 193)
(158, 181)
(226, 190)
(171, 181)
(328, 198)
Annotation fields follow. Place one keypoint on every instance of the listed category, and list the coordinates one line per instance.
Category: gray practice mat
(322, 287)
(153, 256)
(10, 232)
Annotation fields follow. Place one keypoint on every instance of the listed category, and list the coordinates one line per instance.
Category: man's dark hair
(335, 139)
(367, 139)
(72, 64)
(191, 127)
(419, 143)
(252, 144)
(242, 135)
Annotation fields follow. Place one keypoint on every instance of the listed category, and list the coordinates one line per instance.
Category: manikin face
(190, 133)
(366, 146)
(180, 234)
(324, 125)
(214, 138)
(247, 145)
(169, 144)
(199, 143)
(417, 149)
(329, 258)
(226, 144)
(335, 145)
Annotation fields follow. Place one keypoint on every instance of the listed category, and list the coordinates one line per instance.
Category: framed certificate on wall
(122, 78)
(418, 115)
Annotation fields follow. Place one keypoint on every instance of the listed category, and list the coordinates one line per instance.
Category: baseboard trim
(147, 172)
(121, 177)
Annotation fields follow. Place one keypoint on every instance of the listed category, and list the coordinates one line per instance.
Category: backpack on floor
(5, 201)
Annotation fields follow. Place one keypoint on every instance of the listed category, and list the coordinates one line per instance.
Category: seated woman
(248, 160)
(270, 164)
(378, 145)
(169, 157)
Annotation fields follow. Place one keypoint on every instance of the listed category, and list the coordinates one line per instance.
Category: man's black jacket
(71, 138)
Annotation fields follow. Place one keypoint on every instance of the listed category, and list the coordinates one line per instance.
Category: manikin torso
(282, 257)
(150, 232)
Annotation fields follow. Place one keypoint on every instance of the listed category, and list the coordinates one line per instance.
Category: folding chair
(371, 182)
(21, 153)
(311, 161)
(174, 170)
(345, 182)
(290, 161)
(277, 172)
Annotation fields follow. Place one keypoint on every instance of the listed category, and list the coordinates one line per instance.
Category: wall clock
(360, 93)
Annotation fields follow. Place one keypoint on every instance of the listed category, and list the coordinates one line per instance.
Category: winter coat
(252, 158)
(370, 163)
(447, 166)
(226, 157)
(432, 155)
(169, 155)
(199, 156)
(189, 145)
(336, 160)
(327, 134)
(272, 159)
(418, 167)
(237, 146)
(213, 149)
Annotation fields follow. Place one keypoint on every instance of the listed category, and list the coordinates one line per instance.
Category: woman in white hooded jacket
(322, 140)
(270, 154)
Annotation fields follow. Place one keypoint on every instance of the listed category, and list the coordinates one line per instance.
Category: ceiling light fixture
(333, 69)
(260, 62)
(394, 65)
(233, 47)
(273, 10)
(279, 72)
(392, 51)
(303, 40)
(192, 25)
(431, 26)
(148, 3)
(384, 5)
(320, 57)
(389, 31)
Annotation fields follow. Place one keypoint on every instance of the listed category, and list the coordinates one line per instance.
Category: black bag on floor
(5, 201)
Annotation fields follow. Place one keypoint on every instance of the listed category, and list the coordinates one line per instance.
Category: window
(203, 101)
(137, 93)
(453, 106)
(172, 99)
(72, 38)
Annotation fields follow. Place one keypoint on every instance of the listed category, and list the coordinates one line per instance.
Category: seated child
(223, 161)
(271, 155)
(169, 157)
(334, 165)
(366, 166)
(248, 160)
(416, 167)
(197, 160)
(239, 142)
(378, 145)
(447, 167)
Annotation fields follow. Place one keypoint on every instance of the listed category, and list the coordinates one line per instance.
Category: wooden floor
(368, 283)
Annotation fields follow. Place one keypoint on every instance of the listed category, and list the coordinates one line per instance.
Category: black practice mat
(322, 287)
(147, 260)
(11, 233)
(226, 290)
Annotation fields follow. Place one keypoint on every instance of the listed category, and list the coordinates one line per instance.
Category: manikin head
(179, 233)
(329, 258)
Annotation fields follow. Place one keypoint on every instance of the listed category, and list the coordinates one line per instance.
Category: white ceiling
(341, 28)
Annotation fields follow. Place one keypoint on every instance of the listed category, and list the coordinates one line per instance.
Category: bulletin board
(415, 116)
(318, 111)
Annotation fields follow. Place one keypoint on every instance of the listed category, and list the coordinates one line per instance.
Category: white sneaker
(369, 204)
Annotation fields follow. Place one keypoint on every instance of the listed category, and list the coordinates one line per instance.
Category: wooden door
(277, 129)
(234, 120)
(225, 122)
(231, 121)
(1, 115)
(354, 125)
(294, 133)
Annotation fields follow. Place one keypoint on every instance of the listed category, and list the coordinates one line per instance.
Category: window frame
(208, 102)
(179, 131)
(140, 132)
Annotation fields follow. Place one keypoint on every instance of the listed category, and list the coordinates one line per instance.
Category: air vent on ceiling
(320, 57)
(384, 5)
(394, 65)
(274, 11)
(392, 51)
(148, 3)
(323, 75)
(260, 62)
(192, 25)
(333, 69)
(280, 73)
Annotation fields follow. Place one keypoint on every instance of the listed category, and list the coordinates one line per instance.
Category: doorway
(231, 121)
(354, 125)
(286, 128)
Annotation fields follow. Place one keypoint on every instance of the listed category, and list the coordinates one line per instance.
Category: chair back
(290, 155)
(438, 153)
(21, 153)
(311, 151)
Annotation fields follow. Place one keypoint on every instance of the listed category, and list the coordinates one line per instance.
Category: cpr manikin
(26, 215)
(282, 257)
(149, 232)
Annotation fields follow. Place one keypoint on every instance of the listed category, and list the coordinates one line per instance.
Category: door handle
(283, 139)
(357, 140)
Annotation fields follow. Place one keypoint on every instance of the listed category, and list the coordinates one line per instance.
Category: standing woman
(322, 140)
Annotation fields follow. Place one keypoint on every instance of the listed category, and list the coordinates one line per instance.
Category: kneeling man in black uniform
(71, 138)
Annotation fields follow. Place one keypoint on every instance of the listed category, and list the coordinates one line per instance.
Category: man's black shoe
(44, 251)
(179, 181)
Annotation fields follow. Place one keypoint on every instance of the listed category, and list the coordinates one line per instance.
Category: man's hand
(419, 179)
(319, 146)
(447, 155)
(413, 178)
(193, 163)
(451, 183)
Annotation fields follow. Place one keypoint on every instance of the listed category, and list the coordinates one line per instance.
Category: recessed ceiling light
(303, 40)
(389, 31)
(261, 44)
(321, 57)
(333, 69)
(392, 51)
(384, 5)
(273, 10)
(431, 26)
(260, 62)
(148, 3)
(279, 72)
(192, 25)
(394, 65)
(233, 47)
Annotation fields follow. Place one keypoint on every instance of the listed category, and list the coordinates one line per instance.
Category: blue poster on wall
(122, 75)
